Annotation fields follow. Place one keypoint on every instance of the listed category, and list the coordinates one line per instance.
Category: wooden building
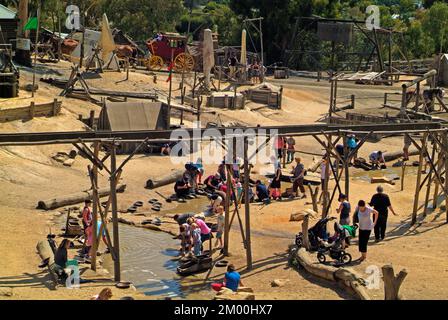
(9, 24)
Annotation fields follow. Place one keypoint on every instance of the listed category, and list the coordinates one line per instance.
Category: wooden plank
(113, 199)
(419, 177)
(247, 206)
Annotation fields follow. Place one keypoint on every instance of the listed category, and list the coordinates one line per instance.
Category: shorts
(219, 235)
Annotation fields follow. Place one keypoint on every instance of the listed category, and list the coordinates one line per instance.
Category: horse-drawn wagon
(166, 46)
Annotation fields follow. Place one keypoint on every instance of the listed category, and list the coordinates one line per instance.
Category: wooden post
(428, 185)
(346, 167)
(36, 50)
(306, 241)
(113, 199)
(326, 198)
(352, 98)
(419, 178)
(445, 142)
(440, 166)
(32, 107)
(55, 107)
(96, 149)
(392, 283)
(314, 197)
(330, 110)
(194, 85)
(403, 169)
(92, 118)
(247, 206)
(227, 219)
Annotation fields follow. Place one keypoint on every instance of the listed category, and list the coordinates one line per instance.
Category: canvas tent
(133, 116)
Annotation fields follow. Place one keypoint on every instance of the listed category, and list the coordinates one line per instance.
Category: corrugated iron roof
(6, 13)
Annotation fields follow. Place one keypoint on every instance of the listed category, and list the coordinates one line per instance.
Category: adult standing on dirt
(407, 144)
(275, 187)
(344, 210)
(381, 203)
(232, 65)
(87, 219)
(279, 145)
(363, 216)
(291, 149)
(298, 172)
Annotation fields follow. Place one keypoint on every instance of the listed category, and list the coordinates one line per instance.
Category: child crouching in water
(185, 238)
(197, 242)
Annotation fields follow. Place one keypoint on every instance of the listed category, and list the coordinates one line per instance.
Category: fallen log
(310, 179)
(75, 198)
(391, 156)
(156, 182)
(350, 280)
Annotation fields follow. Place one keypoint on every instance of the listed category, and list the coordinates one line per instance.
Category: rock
(6, 292)
(224, 290)
(296, 216)
(29, 87)
(68, 162)
(382, 180)
(279, 282)
(299, 216)
(59, 158)
(227, 294)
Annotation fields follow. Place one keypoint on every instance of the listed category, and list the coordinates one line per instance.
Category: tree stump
(314, 197)
(392, 283)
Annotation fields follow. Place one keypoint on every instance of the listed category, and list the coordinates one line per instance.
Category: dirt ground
(29, 174)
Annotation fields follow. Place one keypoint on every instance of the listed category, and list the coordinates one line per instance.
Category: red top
(87, 216)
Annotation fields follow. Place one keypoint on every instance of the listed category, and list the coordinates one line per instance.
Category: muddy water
(390, 172)
(147, 261)
(148, 257)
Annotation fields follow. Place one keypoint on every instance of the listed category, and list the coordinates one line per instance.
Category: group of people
(254, 71)
(194, 231)
(372, 216)
(190, 181)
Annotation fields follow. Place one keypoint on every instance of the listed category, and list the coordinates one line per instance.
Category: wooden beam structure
(326, 135)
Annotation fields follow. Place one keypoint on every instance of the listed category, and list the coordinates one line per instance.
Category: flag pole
(171, 86)
(35, 51)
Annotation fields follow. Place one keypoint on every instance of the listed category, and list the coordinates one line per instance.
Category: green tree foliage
(214, 15)
(142, 18)
(424, 24)
(435, 24)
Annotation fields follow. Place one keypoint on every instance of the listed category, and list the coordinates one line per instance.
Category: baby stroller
(318, 231)
(334, 247)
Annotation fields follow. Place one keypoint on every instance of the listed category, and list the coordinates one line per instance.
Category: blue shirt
(232, 280)
(351, 143)
(262, 191)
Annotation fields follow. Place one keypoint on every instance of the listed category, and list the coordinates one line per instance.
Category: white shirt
(323, 170)
(365, 219)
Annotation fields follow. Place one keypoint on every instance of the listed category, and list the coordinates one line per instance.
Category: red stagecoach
(165, 46)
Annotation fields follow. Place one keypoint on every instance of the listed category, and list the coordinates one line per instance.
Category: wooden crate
(267, 97)
(226, 101)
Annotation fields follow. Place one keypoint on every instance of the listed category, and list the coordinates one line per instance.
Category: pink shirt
(204, 228)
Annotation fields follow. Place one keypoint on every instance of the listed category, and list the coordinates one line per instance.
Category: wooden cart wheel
(155, 63)
(183, 62)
